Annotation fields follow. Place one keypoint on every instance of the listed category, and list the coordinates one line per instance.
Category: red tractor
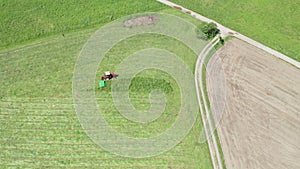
(109, 76)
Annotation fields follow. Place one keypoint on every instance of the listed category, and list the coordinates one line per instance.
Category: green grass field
(39, 127)
(23, 21)
(274, 23)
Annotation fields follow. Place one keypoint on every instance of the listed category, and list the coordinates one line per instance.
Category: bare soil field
(260, 126)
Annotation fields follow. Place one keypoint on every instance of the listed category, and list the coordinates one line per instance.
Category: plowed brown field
(260, 127)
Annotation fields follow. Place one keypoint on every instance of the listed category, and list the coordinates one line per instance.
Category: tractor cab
(109, 76)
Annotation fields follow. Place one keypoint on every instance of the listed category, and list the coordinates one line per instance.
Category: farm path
(205, 113)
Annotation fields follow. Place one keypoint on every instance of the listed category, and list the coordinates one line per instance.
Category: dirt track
(260, 127)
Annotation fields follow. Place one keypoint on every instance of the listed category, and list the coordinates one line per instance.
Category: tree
(210, 30)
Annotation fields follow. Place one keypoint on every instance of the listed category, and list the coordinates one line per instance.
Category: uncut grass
(31, 19)
(273, 23)
(35, 125)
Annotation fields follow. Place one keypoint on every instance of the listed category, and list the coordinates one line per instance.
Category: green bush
(210, 30)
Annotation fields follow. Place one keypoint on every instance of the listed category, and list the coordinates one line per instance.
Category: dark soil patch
(141, 20)
(177, 7)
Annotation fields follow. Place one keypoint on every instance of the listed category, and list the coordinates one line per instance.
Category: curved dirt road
(205, 113)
